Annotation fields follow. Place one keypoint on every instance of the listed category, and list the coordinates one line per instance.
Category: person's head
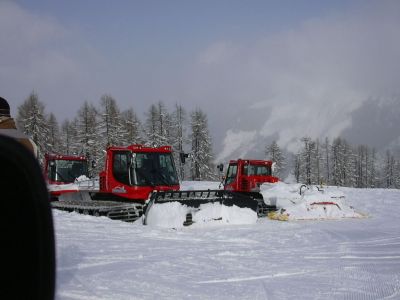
(4, 108)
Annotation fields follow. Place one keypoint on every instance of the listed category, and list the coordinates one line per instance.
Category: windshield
(231, 174)
(144, 169)
(66, 170)
(261, 170)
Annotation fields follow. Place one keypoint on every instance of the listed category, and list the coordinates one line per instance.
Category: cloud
(38, 53)
(217, 53)
(311, 79)
(306, 80)
(239, 142)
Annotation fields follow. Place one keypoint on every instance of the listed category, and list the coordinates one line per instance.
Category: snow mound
(82, 178)
(62, 187)
(300, 202)
(173, 215)
(199, 185)
(81, 183)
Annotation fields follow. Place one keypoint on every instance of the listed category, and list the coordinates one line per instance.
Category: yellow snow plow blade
(276, 215)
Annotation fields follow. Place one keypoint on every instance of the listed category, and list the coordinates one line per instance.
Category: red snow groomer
(130, 175)
(241, 187)
(245, 176)
(137, 177)
(61, 171)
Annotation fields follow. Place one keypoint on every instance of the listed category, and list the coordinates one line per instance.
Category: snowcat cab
(61, 171)
(245, 176)
(134, 172)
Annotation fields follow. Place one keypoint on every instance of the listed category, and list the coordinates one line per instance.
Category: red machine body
(133, 172)
(64, 169)
(60, 172)
(246, 176)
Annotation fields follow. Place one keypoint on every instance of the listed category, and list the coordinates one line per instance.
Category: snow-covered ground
(98, 258)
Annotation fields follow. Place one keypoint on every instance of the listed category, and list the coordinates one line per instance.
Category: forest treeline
(338, 163)
(95, 127)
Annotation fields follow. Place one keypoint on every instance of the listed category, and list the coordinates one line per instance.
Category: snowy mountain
(373, 122)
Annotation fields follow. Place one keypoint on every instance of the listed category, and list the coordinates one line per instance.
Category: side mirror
(273, 167)
(220, 167)
(183, 157)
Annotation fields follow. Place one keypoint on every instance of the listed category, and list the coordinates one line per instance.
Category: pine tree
(364, 167)
(326, 160)
(202, 167)
(164, 123)
(274, 153)
(69, 144)
(179, 137)
(342, 170)
(158, 127)
(397, 174)
(88, 135)
(32, 121)
(132, 127)
(110, 123)
(54, 142)
(308, 162)
(151, 125)
(373, 177)
(296, 167)
(389, 170)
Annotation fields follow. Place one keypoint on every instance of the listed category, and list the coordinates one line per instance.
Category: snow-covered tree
(274, 153)
(308, 157)
(364, 167)
(342, 170)
(158, 125)
(54, 141)
(132, 127)
(326, 162)
(397, 174)
(179, 137)
(373, 174)
(296, 167)
(31, 119)
(165, 121)
(202, 167)
(110, 123)
(69, 139)
(151, 125)
(88, 134)
(389, 170)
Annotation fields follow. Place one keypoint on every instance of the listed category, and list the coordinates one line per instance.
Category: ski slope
(98, 258)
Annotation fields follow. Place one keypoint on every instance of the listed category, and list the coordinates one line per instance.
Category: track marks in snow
(251, 278)
(353, 257)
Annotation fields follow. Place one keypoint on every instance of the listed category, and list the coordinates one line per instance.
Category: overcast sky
(257, 68)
